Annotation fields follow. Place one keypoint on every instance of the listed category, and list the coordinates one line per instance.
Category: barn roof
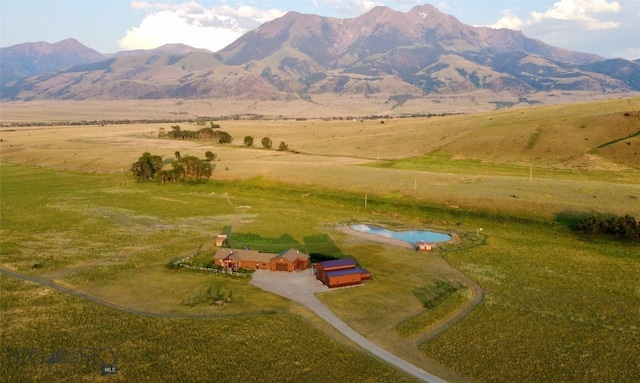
(338, 264)
(336, 273)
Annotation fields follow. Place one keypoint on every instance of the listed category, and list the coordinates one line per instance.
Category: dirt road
(302, 286)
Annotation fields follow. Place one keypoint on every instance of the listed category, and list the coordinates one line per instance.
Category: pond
(410, 236)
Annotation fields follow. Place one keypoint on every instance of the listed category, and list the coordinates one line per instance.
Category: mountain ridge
(382, 53)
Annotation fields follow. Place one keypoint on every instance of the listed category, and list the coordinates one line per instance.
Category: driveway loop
(301, 287)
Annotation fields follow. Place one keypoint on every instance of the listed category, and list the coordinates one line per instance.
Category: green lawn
(558, 307)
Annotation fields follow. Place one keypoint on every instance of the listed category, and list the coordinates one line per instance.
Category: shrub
(625, 227)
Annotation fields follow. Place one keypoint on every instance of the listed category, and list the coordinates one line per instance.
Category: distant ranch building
(424, 246)
(235, 259)
(341, 272)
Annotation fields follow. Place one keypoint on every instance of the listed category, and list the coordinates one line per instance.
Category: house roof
(256, 256)
(293, 255)
(338, 264)
(243, 255)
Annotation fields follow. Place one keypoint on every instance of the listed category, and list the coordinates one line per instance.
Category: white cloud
(141, 5)
(580, 10)
(509, 20)
(192, 24)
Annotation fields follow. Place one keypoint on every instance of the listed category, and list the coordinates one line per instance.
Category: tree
(175, 174)
(194, 167)
(267, 143)
(177, 154)
(146, 167)
(248, 141)
(224, 137)
(283, 146)
(210, 155)
(206, 134)
(175, 132)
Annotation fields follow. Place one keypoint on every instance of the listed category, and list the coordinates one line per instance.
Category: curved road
(302, 287)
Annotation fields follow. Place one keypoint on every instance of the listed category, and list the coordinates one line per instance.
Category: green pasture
(558, 306)
(49, 336)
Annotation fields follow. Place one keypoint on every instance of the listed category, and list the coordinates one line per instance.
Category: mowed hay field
(556, 307)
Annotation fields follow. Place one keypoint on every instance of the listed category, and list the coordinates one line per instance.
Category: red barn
(341, 272)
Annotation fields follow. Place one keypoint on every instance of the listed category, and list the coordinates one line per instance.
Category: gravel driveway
(302, 286)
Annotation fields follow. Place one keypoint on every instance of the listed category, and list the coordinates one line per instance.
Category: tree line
(267, 143)
(625, 227)
(149, 167)
(212, 133)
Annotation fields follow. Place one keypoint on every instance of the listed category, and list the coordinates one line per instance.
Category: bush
(283, 146)
(625, 227)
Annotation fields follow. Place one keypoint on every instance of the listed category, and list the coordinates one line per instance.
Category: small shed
(221, 240)
(424, 246)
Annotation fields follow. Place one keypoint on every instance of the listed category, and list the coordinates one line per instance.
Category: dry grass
(566, 138)
(319, 106)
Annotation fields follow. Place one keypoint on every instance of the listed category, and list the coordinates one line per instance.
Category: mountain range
(385, 53)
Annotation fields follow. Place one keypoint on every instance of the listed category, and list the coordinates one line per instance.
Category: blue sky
(609, 28)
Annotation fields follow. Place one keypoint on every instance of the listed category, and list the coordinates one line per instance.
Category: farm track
(50, 284)
(302, 286)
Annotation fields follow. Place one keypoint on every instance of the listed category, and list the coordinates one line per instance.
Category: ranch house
(341, 272)
(235, 259)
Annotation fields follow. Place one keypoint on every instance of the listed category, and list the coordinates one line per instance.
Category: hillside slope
(383, 54)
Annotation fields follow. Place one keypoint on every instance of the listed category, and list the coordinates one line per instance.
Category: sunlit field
(555, 305)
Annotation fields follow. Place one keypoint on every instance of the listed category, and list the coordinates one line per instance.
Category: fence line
(185, 263)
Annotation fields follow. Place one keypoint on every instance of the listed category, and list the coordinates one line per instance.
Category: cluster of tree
(150, 167)
(625, 227)
(212, 133)
(147, 166)
(267, 143)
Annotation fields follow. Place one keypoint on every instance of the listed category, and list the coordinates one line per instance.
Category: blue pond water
(411, 236)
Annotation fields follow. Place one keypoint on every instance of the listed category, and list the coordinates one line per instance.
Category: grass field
(557, 307)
